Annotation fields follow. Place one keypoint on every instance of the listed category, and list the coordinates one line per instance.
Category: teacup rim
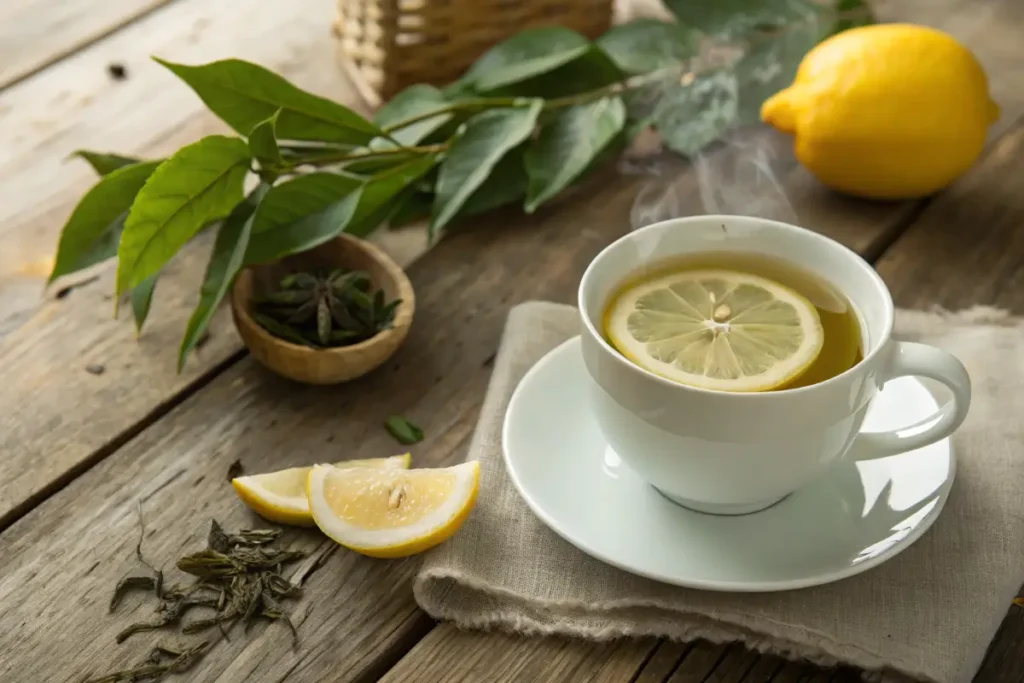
(607, 349)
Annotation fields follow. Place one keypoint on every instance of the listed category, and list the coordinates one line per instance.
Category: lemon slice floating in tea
(392, 513)
(716, 329)
(281, 496)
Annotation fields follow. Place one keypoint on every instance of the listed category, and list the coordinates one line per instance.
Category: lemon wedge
(281, 496)
(392, 513)
(716, 329)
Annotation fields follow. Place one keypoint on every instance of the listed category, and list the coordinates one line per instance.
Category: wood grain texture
(56, 417)
(34, 34)
(453, 656)
(75, 104)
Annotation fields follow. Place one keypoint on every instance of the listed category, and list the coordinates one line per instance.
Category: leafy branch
(534, 115)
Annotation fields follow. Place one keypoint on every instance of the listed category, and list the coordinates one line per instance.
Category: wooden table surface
(80, 450)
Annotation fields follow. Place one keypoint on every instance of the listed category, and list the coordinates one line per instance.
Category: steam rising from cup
(736, 175)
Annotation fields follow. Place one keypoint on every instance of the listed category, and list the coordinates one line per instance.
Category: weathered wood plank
(56, 417)
(34, 34)
(75, 104)
(455, 656)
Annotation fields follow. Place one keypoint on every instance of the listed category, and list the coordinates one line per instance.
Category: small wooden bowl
(333, 365)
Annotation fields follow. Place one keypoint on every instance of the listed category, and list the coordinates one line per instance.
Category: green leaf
(525, 55)
(263, 142)
(302, 213)
(851, 14)
(645, 45)
(377, 202)
(413, 207)
(142, 299)
(94, 228)
(243, 94)
(505, 185)
(487, 137)
(415, 100)
(301, 197)
(735, 18)
(566, 147)
(591, 70)
(199, 183)
(403, 431)
(692, 116)
(225, 262)
(104, 163)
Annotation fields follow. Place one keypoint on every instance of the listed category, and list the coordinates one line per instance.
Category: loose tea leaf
(325, 309)
(181, 660)
(147, 583)
(237, 577)
(402, 430)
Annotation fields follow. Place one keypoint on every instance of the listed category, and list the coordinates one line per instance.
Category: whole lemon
(890, 111)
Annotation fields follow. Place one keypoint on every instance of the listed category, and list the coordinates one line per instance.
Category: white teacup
(735, 453)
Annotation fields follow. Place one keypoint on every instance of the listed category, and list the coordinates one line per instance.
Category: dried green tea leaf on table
(487, 138)
(237, 575)
(104, 163)
(198, 184)
(243, 94)
(225, 261)
(92, 232)
(568, 145)
(645, 45)
(403, 431)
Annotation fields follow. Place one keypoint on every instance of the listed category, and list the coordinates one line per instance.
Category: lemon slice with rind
(281, 496)
(391, 513)
(716, 329)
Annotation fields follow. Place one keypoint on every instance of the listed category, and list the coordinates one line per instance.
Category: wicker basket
(390, 44)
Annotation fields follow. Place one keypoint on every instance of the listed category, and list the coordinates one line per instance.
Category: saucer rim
(916, 533)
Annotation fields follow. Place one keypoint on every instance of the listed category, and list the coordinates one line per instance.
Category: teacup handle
(920, 360)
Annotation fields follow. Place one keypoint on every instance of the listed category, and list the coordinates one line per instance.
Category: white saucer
(855, 517)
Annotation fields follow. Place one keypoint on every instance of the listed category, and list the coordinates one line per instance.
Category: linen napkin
(927, 614)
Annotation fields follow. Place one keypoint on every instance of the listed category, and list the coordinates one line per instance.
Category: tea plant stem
(359, 156)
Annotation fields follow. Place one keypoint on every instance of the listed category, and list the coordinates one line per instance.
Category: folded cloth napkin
(927, 614)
